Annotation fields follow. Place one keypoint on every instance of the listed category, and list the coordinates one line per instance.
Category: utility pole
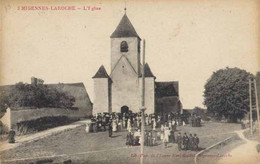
(256, 101)
(250, 104)
(143, 107)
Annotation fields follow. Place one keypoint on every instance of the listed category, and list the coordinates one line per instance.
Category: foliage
(226, 93)
(258, 87)
(3, 103)
(43, 123)
(200, 112)
(36, 96)
(3, 128)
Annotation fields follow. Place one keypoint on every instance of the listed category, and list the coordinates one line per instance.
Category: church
(121, 90)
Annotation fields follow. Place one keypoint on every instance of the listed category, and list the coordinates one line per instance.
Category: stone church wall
(125, 87)
(101, 90)
(149, 95)
(132, 54)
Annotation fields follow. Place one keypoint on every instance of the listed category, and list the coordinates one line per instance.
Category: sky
(186, 40)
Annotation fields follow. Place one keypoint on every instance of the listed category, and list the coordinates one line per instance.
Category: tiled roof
(101, 73)
(147, 71)
(166, 88)
(124, 29)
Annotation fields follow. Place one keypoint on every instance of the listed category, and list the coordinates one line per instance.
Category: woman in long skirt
(166, 136)
(173, 125)
(146, 120)
(119, 127)
(162, 127)
(128, 125)
(123, 122)
(154, 124)
(162, 135)
(170, 125)
(137, 122)
(87, 128)
(114, 125)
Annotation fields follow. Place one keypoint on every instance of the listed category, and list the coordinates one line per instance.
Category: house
(82, 107)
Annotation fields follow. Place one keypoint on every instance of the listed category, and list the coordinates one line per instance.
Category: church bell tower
(125, 42)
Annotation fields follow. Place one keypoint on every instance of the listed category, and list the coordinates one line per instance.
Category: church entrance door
(124, 109)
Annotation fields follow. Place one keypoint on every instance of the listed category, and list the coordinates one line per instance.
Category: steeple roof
(147, 71)
(101, 73)
(124, 29)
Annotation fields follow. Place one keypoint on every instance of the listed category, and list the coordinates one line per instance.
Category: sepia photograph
(130, 82)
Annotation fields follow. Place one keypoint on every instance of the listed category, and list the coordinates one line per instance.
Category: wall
(125, 87)
(77, 90)
(6, 119)
(149, 95)
(13, 117)
(101, 92)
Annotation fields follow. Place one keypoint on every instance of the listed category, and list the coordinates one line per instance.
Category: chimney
(33, 80)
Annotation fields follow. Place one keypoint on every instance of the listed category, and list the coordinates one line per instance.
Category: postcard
(130, 81)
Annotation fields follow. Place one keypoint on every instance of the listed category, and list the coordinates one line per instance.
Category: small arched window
(124, 46)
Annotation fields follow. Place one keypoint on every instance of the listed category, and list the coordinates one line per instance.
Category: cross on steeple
(125, 7)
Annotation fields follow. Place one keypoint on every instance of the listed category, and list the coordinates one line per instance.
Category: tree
(35, 96)
(226, 94)
(258, 87)
(4, 101)
(200, 112)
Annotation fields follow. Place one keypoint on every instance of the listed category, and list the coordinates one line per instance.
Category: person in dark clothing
(146, 139)
(185, 139)
(128, 137)
(126, 120)
(110, 128)
(196, 142)
(94, 125)
(190, 143)
(150, 138)
(192, 121)
(172, 136)
(104, 123)
(131, 139)
(11, 136)
(154, 136)
(179, 141)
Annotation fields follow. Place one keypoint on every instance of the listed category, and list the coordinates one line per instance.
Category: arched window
(124, 46)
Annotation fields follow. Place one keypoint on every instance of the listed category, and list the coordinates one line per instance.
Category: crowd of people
(162, 128)
(131, 120)
(165, 134)
(186, 142)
